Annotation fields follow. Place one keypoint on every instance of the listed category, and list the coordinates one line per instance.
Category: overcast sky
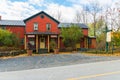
(21, 9)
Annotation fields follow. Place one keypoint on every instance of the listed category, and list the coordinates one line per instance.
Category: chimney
(0, 17)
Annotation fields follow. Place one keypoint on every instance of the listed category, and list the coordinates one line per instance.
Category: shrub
(7, 38)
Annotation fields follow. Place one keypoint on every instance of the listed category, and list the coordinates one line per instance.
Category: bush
(11, 53)
(7, 38)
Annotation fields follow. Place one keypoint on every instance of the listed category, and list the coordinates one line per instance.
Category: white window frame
(48, 26)
(35, 26)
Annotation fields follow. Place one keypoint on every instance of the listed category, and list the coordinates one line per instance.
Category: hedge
(11, 53)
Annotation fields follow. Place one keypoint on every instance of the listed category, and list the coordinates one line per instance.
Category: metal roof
(69, 24)
(12, 22)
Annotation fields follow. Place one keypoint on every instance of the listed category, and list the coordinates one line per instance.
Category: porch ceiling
(42, 33)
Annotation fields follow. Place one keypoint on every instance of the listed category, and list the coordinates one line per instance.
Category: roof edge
(25, 20)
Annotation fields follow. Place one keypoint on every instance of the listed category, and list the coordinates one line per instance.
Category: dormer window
(48, 26)
(35, 26)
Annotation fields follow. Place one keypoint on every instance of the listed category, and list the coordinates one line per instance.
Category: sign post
(108, 37)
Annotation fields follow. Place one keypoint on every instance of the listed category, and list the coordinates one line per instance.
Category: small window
(3, 27)
(22, 41)
(42, 16)
(48, 26)
(35, 26)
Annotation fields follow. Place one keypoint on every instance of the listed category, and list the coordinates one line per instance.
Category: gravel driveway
(35, 62)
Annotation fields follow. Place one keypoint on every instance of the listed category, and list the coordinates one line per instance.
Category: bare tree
(59, 15)
(113, 18)
(94, 9)
(81, 17)
(78, 17)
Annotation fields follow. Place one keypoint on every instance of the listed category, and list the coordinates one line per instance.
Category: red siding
(85, 32)
(41, 24)
(18, 30)
(93, 43)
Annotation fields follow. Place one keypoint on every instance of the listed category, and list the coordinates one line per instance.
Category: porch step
(42, 51)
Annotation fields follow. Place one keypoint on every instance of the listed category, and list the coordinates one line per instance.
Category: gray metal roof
(68, 25)
(12, 22)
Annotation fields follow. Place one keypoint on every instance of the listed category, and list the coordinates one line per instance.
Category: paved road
(107, 70)
(36, 62)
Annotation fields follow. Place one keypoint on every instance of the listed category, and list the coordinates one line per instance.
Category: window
(42, 16)
(35, 26)
(48, 26)
(22, 41)
(89, 41)
(3, 27)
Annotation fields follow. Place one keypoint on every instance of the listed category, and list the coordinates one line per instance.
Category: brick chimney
(0, 17)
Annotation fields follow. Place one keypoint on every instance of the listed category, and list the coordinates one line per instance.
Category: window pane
(35, 26)
(48, 26)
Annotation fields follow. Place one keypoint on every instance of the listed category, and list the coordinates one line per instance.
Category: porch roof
(44, 33)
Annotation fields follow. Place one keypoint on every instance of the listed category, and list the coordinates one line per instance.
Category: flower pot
(29, 52)
(56, 51)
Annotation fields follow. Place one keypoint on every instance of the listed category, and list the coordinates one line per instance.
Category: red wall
(93, 43)
(17, 30)
(85, 32)
(41, 24)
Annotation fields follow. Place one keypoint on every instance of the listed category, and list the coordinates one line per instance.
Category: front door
(42, 42)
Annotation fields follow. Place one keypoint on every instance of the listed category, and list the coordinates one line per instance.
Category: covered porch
(40, 41)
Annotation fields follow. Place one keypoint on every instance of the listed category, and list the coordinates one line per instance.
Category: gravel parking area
(35, 62)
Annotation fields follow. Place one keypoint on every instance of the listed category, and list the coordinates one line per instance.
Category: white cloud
(67, 13)
(16, 10)
(37, 2)
(21, 10)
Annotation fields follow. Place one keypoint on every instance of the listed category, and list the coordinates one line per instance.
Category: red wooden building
(39, 29)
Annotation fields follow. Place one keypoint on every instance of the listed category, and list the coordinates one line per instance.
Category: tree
(81, 17)
(8, 39)
(116, 38)
(94, 9)
(113, 18)
(71, 35)
(100, 33)
(57, 14)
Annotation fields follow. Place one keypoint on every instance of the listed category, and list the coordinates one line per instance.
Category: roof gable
(68, 25)
(42, 12)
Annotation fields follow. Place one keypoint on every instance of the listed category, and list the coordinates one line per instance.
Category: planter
(29, 52)
(56, 51)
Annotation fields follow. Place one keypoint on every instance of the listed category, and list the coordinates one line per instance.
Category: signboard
(31, 36)
(53, 36)
(108, 37)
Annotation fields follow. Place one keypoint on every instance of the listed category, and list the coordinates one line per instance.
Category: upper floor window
(35, 26)
(48, 26)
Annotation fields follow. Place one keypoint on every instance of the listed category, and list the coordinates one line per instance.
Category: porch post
(48, 43)
(58, 41)
(25, 44)
(36, 43)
